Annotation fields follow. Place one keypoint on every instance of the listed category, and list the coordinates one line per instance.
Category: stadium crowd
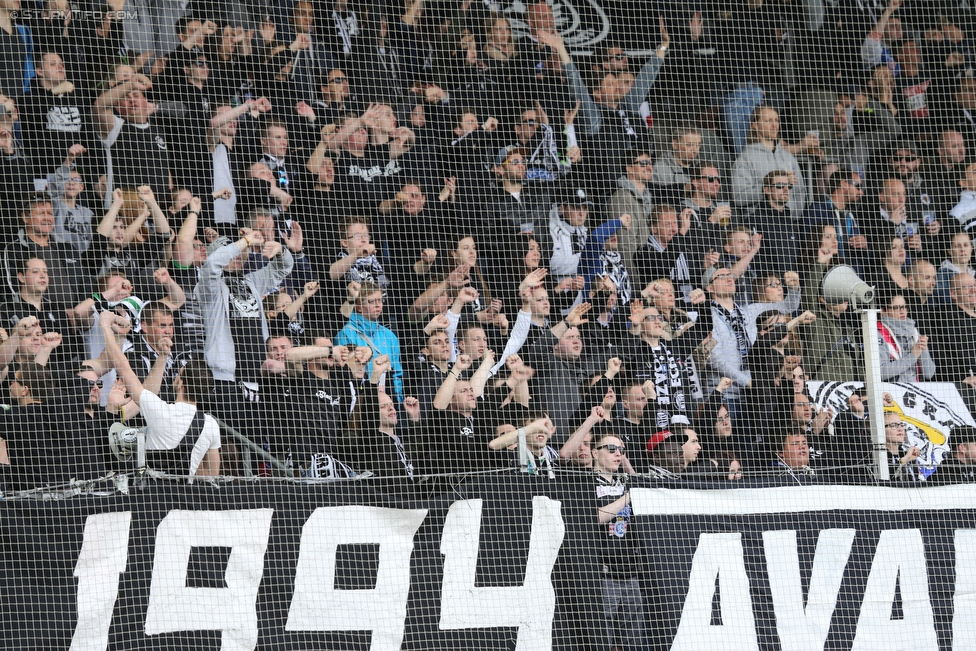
(397, 238)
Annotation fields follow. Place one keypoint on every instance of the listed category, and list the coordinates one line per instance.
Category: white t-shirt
(167, 423)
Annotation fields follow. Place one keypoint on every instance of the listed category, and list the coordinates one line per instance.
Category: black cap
(573, 196)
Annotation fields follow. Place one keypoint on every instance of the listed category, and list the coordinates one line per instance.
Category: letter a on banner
(531, 606)
(805, 627)
(318, 606)
(964, 600)
(101, 561)
(719, 555)
(900, 558)
(174, 607)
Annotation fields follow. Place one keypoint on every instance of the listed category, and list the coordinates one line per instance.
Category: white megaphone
(842, 285)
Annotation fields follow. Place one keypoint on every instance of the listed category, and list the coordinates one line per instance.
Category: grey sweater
(213, 296)
(754, 163)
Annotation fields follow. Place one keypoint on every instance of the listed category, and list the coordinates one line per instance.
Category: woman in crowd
(904, 352)
(959, 261)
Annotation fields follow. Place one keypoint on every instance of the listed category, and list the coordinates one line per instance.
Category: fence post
(872, 385)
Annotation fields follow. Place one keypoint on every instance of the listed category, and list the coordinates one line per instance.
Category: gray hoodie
(213, 296)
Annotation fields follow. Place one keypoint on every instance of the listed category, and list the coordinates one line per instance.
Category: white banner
(929, 410)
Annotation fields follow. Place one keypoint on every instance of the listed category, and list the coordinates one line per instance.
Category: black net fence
(459, 324)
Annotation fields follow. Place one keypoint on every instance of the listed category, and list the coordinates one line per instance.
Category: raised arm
(154, 381)
(175, 296)
(108, 221)
(160, 223)
(569, 449)
(590, 116)
(8, 349)
(648, 74)
(107, 101)
(183, 250)
(446, 391)
(480, 377)
(106, 321)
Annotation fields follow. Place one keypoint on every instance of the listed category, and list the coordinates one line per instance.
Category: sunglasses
(515, 161)
(644, 162)
(711, 179)
(783, 186)
(529, 123)
(337, 80)
(611, 448)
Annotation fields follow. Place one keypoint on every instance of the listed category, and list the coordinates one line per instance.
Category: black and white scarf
(738, 325)
(667, 385)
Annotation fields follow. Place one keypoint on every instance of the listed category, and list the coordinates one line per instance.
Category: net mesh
(439, 324)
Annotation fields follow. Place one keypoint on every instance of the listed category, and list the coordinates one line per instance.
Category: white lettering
(805, 627)
(964, 598)
(318, 606)
(718, 555)
(102, 559)
(231, 610)
(900, 557)
(531, 606)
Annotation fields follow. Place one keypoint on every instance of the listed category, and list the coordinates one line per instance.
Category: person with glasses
(189, 81)
(779, 226)
(903, 458)
(634, 196)
(621, 559)
(518, 210)
(72, 218)
(647, 357)
(735, 331)
(546, 163)
(838, 208)
(327, 110)
(712, 218)
(766, 152)
(904, 352)
(905, 164)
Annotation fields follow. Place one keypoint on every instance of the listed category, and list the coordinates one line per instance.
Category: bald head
(921, 278)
